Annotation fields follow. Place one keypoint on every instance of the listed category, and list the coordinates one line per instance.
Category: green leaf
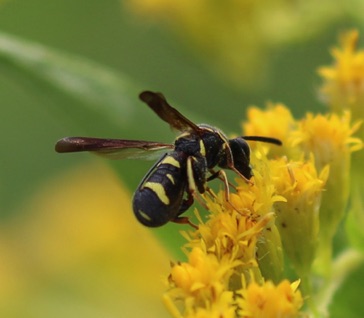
(81, 78)
(99, 91)
(343, 293)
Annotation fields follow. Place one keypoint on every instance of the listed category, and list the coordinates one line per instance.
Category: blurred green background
(119, 54)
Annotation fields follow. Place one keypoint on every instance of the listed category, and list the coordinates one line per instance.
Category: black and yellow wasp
(170, 186)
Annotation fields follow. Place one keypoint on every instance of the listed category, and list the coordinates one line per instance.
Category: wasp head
(240, 152)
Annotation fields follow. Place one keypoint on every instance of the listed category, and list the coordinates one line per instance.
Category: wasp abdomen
(158, 198)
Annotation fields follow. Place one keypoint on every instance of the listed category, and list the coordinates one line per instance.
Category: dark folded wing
(113, 148)
(158, 103)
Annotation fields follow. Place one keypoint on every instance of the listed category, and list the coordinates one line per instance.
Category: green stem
(306, 289)
(342, 266)
(323, 262)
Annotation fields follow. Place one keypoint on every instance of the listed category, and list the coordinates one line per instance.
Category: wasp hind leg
(186, 203)
(184, 220)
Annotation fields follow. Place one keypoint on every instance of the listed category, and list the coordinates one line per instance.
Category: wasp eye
(241, 156)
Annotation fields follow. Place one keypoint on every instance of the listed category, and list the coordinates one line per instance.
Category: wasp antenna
(269, 140)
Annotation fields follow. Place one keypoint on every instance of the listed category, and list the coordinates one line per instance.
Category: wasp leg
(240, 175)
(217, 174)
(196, 179)
(186, 203)
(184, 220)
(222, 176)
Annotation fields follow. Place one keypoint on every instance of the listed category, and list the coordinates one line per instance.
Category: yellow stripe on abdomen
(159, 190)
(170, 160)
(170, 177)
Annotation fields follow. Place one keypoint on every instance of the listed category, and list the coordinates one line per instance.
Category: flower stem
(343, 265)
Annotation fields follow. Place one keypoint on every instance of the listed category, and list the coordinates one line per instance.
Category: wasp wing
(113, 148)
(158, 103)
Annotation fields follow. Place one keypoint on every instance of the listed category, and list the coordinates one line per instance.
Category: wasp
(174, 181)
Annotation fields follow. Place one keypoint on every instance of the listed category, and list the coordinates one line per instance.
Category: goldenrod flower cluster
(343, 87)
(241, 256)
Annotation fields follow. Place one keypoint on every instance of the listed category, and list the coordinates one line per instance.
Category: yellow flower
(259, 200)
(259, 196)
(224, 250)
(251, 209)
(343, 89)
(343, 86)
(298, 217)
(274, 121)
(232, 232)
(326, 140)
(329, 138)
(270, 301)
(201, 285)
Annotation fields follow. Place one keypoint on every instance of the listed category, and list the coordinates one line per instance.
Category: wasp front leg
(223, 177)
(221, 174)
